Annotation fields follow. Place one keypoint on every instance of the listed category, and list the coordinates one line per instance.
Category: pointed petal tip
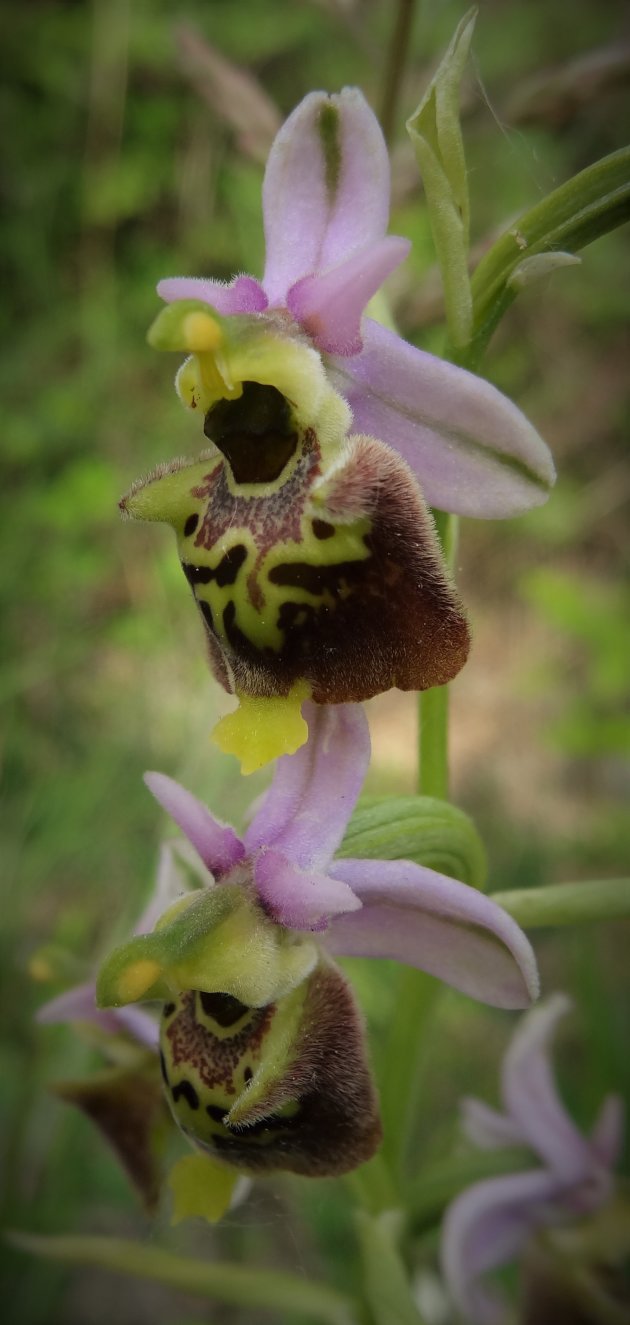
(425, 919)
(531, 1096)
(216, 843)
(607, 1132)
(472, 449)
(329, 304)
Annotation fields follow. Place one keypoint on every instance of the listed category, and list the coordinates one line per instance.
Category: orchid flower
(490, 1223)
(263, 1049)
(304, 531)
(326, 209)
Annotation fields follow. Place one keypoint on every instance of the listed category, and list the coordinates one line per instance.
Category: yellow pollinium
(201, 1188)
(136, 979)
(201, 333)
(263, 729)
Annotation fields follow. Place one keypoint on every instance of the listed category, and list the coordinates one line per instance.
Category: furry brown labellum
(286, 1086)
(310, 565)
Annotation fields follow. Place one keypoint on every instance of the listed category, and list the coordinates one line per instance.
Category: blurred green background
(134, 143)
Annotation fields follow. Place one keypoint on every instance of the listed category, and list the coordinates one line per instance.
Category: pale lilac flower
(490, 1223)
(79, 1003)
(326, 209)
(373, 908)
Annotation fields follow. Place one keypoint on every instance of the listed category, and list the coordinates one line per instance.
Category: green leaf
(435, 131)
(587, 206)
(567, 903)
(236, 1285)
(428, 831)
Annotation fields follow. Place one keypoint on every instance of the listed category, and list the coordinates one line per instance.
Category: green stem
(567, 903)
(433, 704)
(385, 1277)
(236, 1285)
(433, 779)
(400, 1073)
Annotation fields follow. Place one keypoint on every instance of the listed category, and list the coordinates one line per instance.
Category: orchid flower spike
(264, 1057)
(491, 1223)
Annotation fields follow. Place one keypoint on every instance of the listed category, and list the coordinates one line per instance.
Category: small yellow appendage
(201, 1188)
(137, 978)
(201, 333)
(263, 729)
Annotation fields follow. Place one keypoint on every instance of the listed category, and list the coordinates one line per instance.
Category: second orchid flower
(263, 1049)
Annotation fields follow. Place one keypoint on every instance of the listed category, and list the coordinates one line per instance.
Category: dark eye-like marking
(255, 433)
(185, 1090)
(191, 525)
(216, 1112)
(323, 529)
(222, 1008)
(197, 574)
(225, 573)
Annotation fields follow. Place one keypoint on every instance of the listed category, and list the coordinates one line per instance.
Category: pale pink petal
(472, 450)
(326, 188)
(329, 305)
(425, 919)
(140, 1025)
(79, 1004)
(486, 1127)
(607, 1132)
(531, 1098)
(216, 843)
(299, 899)
(243, 295)
(76, 1004)
(486, 1227)
(306, 810)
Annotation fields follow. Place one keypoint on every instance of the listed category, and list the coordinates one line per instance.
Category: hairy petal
(243, 295)
(313, 793)
(485, 1227)
(531, 1097)
(300, 899)
(472, 450)
(486, 1127)
(329, 304)
(326, 188)
(425, 919)
(217, 844)
(79, 1004)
